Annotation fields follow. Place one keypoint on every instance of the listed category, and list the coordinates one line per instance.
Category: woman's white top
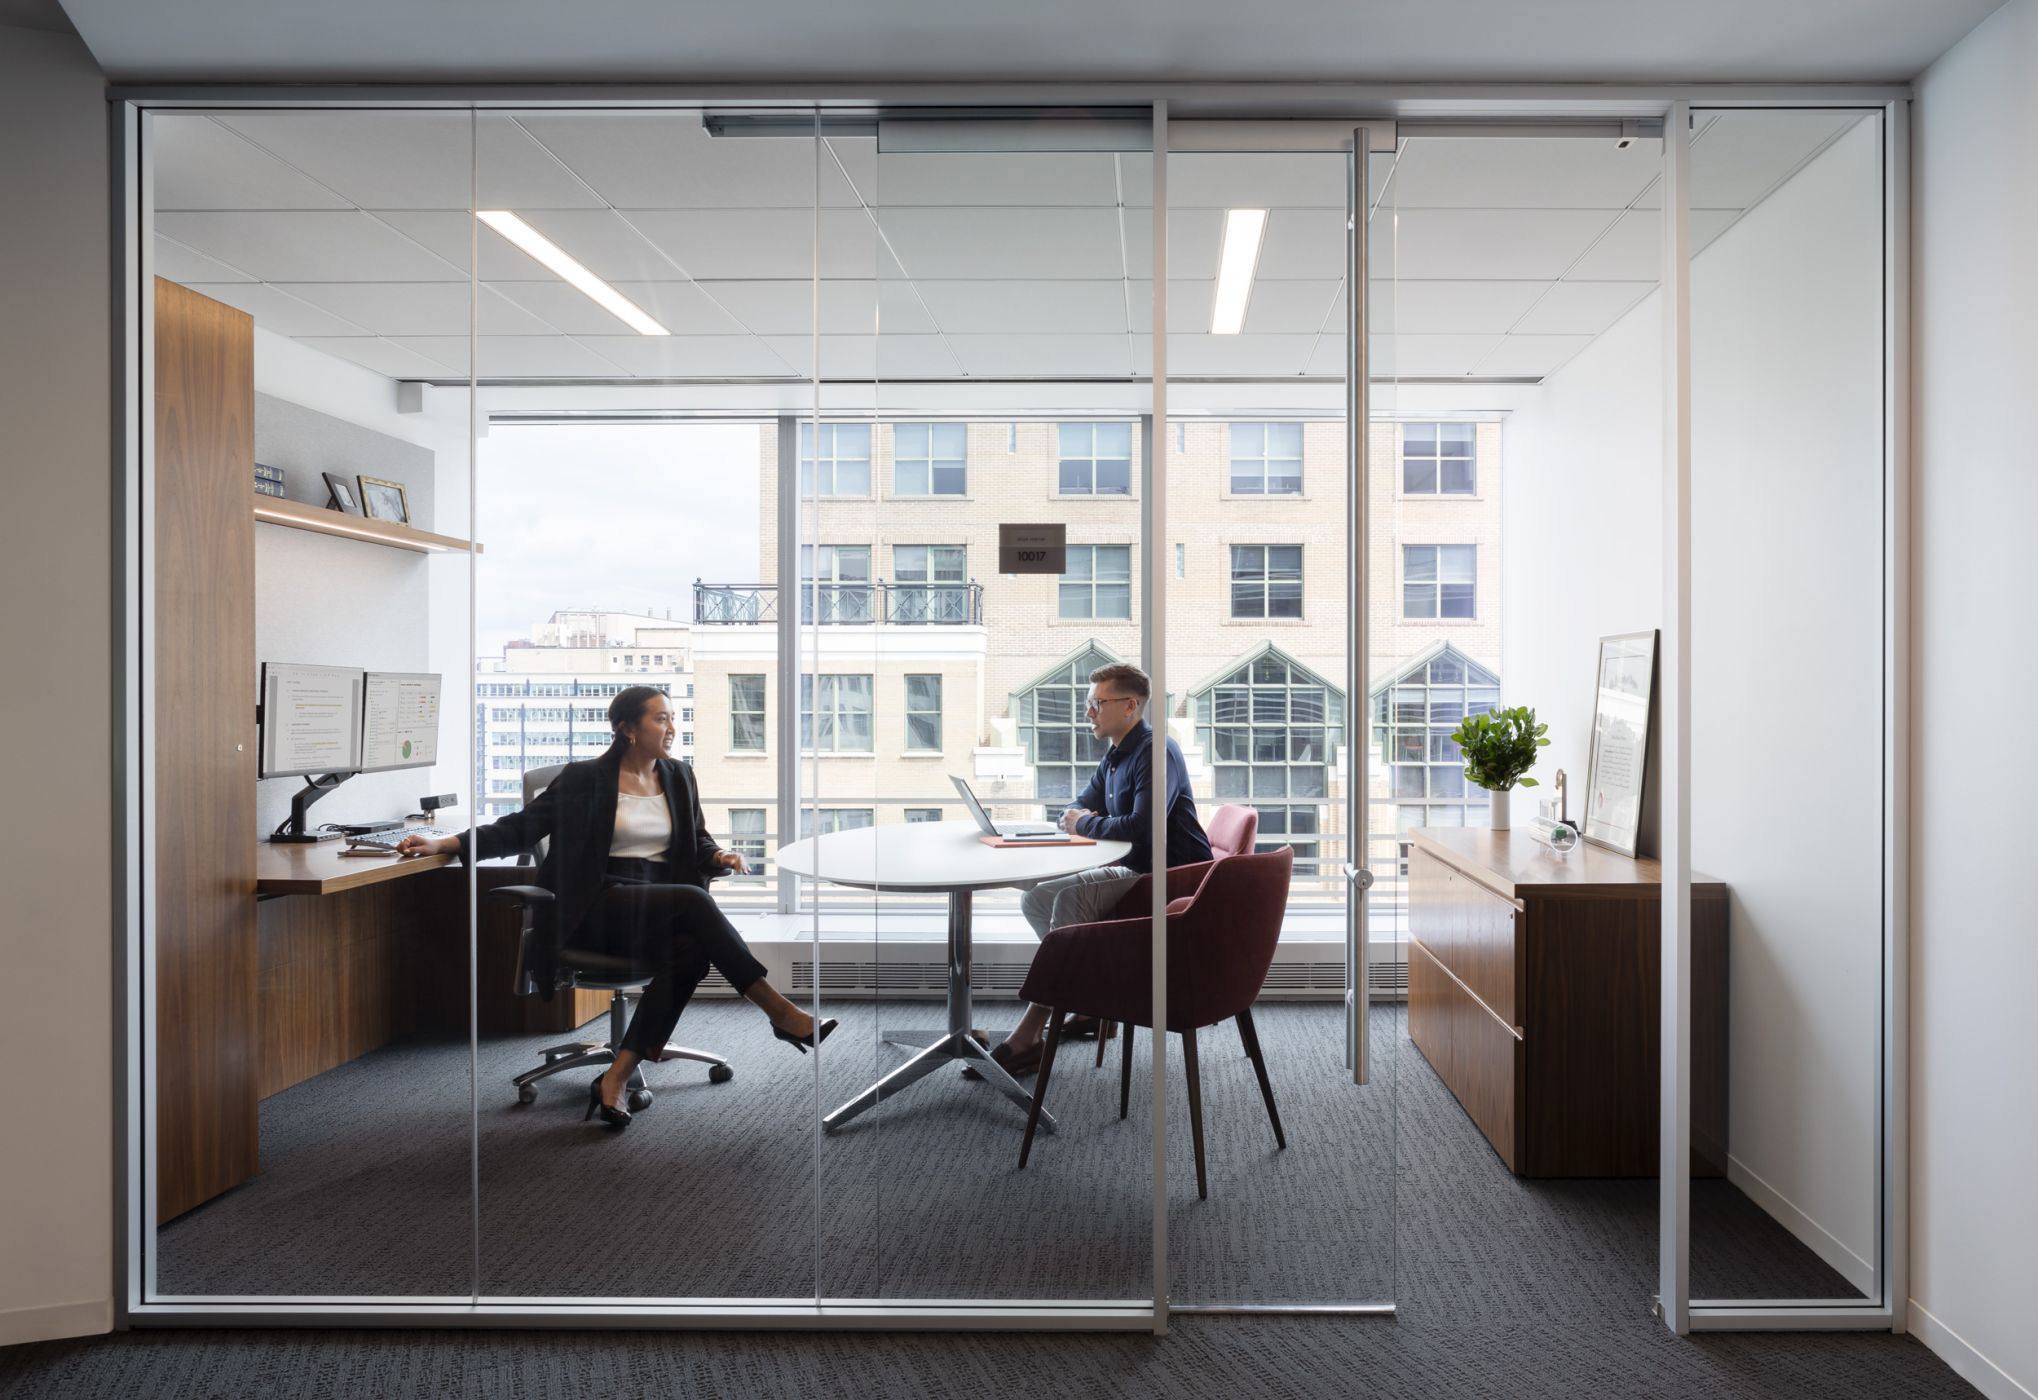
(643, 827)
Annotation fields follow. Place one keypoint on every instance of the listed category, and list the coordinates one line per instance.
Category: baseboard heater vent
(908, 975)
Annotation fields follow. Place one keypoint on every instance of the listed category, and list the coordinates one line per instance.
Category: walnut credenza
(1534, 990)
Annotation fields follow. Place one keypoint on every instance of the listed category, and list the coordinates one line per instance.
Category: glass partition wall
(709, 422)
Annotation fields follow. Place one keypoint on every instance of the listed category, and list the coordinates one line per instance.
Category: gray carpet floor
(1505, 1287)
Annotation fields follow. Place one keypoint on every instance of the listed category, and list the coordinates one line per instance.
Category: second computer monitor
(399, 721)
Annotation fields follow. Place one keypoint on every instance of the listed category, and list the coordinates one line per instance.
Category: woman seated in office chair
(629, 861)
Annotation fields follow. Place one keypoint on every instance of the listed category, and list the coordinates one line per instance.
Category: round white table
(946, 858)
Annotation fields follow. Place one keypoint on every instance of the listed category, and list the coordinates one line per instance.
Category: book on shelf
(268, 488)
(265, 472)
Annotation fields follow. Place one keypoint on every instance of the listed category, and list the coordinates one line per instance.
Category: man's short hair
(1130, 679)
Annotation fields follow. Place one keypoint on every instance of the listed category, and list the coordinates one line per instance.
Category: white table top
(936, 856)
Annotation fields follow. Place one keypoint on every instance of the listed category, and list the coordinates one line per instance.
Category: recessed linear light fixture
(557, 258)
(1243, 229)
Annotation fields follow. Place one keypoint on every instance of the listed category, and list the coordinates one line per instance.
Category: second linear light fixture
(563, 263)
(1243, 229)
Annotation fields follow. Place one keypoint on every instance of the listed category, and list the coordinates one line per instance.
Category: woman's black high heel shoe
(617, 1118)
(820, 1033)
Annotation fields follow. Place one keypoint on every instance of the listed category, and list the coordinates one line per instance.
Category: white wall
(1974, 906)
(56, 829)
(1786, 579)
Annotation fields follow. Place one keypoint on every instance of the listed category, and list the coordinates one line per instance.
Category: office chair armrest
(520, 894)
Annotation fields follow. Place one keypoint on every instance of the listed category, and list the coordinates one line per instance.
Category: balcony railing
(903, 604)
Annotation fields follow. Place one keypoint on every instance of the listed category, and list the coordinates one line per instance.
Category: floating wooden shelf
(274, 510)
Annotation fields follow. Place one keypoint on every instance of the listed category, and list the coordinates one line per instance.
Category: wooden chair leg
(1195, 1108)
(1125, 1072)
(1250, 1034)
(1104, 1029)
(1054, 1021)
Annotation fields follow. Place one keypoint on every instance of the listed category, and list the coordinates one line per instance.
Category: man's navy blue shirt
(1119, 797)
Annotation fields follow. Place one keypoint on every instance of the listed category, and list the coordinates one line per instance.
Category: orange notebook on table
(1005, 842)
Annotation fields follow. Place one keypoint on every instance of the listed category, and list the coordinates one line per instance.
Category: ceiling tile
(1738, 157)
(1076, 244)
(419, 159)
(1328, 359)
(340, 246)
(667, 160)
(763, 243)
(972, 308)
(1632, 250)
(187, 265)
(1256, 355)
(1302, 243)
(1290, 308)
(384, 357)
(680, 307)
(874, 358)
(1531, 354)
(1188, 304)
(1026, 179)
(1451, 308)
(276, 310)
(1195, 237)
(1428, 356)
(691, 356)
(452, 236)
(1259, 180)
(1522, 172)
(417, 308)
(201, 164)
(986, 356)
(849, 306)
(518, 356)
(1438, 245)
(1581, 308)
(608, 244)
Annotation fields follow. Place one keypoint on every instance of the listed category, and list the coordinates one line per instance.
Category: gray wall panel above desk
(306, 443)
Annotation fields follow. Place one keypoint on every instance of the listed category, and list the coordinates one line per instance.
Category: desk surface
(319, 868)
(936, 856)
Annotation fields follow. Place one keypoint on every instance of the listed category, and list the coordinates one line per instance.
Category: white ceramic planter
(1499, 819)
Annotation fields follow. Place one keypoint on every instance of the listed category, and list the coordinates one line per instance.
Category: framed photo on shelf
(1626, 686)
(385, 500)
(341, 497)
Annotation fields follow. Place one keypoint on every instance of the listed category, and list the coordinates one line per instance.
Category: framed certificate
(1620, 741)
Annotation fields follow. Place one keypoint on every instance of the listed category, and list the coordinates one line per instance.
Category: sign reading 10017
(1032, 549)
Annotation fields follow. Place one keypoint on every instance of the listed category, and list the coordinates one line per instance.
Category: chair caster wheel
(640, 1099)
(720, 1074)
(527, 1093)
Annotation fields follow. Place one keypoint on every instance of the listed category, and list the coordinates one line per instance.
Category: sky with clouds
(621, 517)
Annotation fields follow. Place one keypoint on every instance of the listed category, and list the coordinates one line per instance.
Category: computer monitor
(310, 720)
(400, 721)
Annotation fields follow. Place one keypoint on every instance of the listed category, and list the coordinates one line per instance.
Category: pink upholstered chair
(1224, 920)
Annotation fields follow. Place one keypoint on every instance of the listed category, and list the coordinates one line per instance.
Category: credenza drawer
(1473, 1051)
(1470, 930)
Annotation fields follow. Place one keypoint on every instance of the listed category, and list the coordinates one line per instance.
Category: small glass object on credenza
(1561, 838)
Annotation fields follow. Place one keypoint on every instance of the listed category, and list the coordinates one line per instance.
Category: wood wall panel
(205, 1042)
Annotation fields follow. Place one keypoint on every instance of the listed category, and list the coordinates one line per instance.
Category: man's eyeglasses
(1091, 707)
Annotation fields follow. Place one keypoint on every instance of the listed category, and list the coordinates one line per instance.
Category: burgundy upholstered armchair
(1224, 919)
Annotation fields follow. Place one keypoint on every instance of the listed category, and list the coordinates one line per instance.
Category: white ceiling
(349, 231)
(1399, 41)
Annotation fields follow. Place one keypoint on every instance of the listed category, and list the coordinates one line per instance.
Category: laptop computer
(1010, 831)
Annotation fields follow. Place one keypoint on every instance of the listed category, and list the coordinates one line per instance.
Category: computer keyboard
(387, 840)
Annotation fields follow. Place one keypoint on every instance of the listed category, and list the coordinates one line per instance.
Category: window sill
(741, 755)
(865, 754)
(959, 500)
(1090, 622)
(1431, 497)
(1263, 622)
(1264, 496)
(1104, 500)
(1440, 621)
(923, 755)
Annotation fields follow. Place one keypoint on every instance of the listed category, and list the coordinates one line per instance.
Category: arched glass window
(1270, 728)
(1054, 729)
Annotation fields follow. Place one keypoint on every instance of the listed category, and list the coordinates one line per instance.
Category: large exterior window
(923, 714)
(829, 820)
(1270, 730)
(928, 459)
(835, 714)
(1413, 716)
(841, 467)
(747, 837)
(835, 583)
(1266, 459)
(1054, 729)
(917, 815)
(1098, 583)
(1437, 459)
(919, 568)
(1266, 580)
(746, 713)
(1439, 580)
(1096, 459)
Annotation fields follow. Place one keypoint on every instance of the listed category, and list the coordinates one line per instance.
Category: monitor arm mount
(294, 829)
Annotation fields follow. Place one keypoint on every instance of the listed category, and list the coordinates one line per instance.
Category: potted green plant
(1499, 748)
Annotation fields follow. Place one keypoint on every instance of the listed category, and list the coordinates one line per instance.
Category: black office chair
(545, 968)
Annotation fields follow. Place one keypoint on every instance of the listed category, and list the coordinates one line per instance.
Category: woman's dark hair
(625, 710)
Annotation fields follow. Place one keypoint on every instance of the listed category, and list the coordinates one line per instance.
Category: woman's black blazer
(577, 814)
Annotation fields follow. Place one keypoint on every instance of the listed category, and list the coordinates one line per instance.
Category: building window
(915, 815)
(1096, 459)
(1439, 580)
(929, 459)
(1098, 583)
(1181, 560)
(1414, 715)
(1055, 731)
(1271, 729)
(686, 715)
(1266, 580)
(923, 714)
(1266, 459)
(1437, 459)
(747, 836)
(835, 714)
(1011, 437)
(829, 820)
(842, 466)
(746, 713)
(923, 565)
(835, 583)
